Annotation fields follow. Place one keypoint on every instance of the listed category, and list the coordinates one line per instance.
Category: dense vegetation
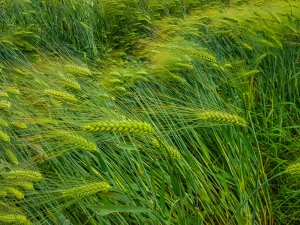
(149, 112)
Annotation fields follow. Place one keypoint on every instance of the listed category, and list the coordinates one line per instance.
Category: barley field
(151, 112)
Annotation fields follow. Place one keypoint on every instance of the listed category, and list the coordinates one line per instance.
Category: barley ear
(22, 175)
(13, 218)
(170, 150)
(11, 156)
(86, 190)
(222, 117)
(120, 126)
(293, 169)
(4, 136)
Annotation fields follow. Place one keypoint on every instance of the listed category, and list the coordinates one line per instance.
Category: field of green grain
(172, 112)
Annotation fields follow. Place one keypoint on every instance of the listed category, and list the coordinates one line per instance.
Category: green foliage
(149, 112)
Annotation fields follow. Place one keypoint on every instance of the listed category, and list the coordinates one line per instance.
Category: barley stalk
(222, 117)
(120, 126)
